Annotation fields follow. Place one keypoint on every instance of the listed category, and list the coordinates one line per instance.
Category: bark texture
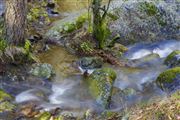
(15, 21)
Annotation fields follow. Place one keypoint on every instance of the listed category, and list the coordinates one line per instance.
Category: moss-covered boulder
(42, 70)
(101, 85)
(90, 62)
(169, 80)
(44, 116)
(118, 49)
(173, 59)
(5, 104)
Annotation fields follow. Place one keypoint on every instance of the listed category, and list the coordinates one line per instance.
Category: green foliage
(81, 20)
(27, 46)
(37, 12)
(72, 26)
(69, 27)
(86, 47)
(3, 45)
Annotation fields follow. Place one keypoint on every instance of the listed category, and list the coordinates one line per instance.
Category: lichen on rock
(101, 85)
(43, 70)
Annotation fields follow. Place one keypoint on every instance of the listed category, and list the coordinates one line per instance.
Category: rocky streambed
(108, 88)
(65, 86)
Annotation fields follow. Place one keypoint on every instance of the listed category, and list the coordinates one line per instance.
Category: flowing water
(69, 89)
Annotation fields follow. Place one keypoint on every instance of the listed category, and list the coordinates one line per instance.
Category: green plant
(86, 47)
(3, 45)
(27, 46)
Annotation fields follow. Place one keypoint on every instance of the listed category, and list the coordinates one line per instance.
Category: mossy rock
(90, 62)
(42, 70)
(4, 96)
(173, 59)
(44, 116)
(169, 80)
(118, 49)
(101, 85)
(5, 105)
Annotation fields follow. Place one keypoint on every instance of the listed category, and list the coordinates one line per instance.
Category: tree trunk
(15, 21)
(96, 16)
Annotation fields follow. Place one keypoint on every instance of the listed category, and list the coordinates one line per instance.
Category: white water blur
(29, 95)
(72, 95)
(59, 89)
(163, 49)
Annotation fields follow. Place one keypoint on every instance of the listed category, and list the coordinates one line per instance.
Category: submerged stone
(90, 62)
(173, 59)
(101, 85)
(42, 70)
(169, 80)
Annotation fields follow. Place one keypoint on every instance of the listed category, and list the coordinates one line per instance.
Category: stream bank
(68, 94)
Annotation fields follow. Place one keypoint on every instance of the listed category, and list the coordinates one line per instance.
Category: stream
(68, 90)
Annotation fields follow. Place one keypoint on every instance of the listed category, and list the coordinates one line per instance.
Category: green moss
(72, 26)
(44, 116)
(3, 45)
(100, 85)
(170, 56)
(168, 76)
(86, 47)
(4, 96)
(101, 33)
(69, 27)
(149, 7)
(37, 11)
(5, 105)
(81, 20)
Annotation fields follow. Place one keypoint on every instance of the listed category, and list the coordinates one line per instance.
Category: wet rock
(118, 49)
(5, 104)
(67, 25)
(43, 70)
(146, 61)
(173, 59)
(169, 80)
(90, 62)
(119, 96)
(101, 85)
